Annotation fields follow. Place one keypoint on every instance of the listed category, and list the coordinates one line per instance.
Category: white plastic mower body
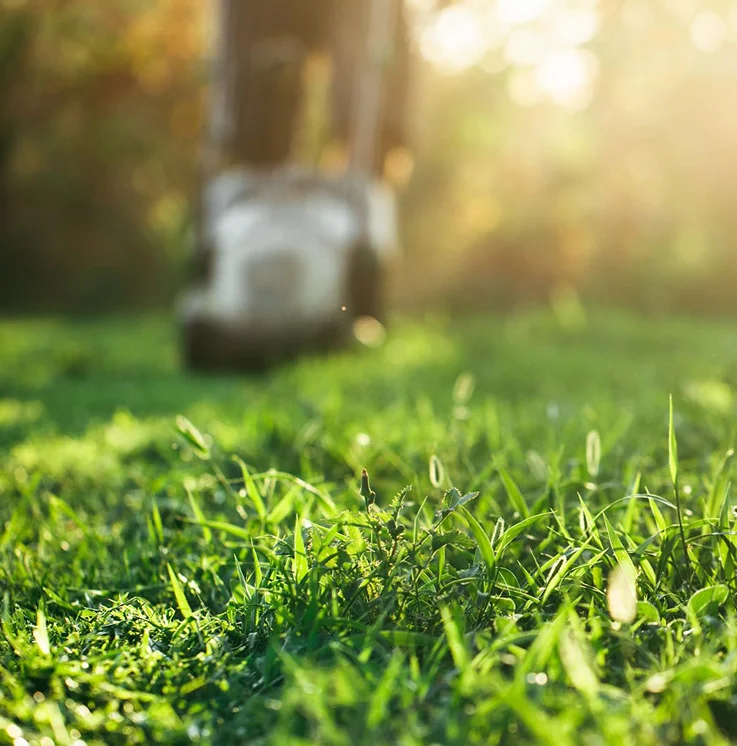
(291, 259)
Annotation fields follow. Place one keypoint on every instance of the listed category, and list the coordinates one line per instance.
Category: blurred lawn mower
(289, 259)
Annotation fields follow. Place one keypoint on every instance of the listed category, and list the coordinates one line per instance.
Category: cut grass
(200, 559)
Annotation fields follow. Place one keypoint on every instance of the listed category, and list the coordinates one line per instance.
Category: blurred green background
(564, 149)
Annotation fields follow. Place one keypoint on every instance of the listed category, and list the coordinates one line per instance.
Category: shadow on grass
(60, 377)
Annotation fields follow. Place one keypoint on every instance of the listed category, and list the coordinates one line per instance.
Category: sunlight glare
(708, 32)
(575, 27)
(567, 76)
(532, 34)
(455, 41)
(421, 6)
(524, 89)
(517, 12)
(683, 9)
(526, 46)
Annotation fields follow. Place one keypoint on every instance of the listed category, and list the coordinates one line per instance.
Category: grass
(538, 554)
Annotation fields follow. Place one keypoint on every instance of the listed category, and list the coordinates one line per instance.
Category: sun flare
(540, 42)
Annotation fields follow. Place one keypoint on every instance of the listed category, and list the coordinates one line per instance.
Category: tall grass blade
(482, 539)
(41, 632)
(184, 608)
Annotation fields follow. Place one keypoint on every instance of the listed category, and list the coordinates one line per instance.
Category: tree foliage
(100, 109)
(522, 189)
(624, 194)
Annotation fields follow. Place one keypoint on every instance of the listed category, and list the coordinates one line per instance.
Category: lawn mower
(290, 258)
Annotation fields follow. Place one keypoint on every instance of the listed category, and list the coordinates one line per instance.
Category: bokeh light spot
(708, 32)
(454, 41)
(369, 331)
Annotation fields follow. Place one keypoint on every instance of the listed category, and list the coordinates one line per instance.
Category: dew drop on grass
(537, 679)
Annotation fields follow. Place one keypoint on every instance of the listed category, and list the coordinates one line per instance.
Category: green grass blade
(193, 437)
(562, 571)
(228, 528)
(300, 554)
(252, 490)
(516, 498)
(378, 709)
(621, 554)
(247, 587)
(200, 517)
(257, 574)
(673, 464)
(482, 539)
(284, 507)
(518, 529)
(660, 522)
(704, 601)
(184, 607)
(158, 524)
(576, 662)
(454, 637)
(41, 632)
(672, 446)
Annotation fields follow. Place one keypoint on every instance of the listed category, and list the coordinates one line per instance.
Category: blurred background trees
(561, 145)
(100, 113)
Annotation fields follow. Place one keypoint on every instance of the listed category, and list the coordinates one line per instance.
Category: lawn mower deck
(289, 260)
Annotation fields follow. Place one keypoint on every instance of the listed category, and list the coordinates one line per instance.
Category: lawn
(542, 555)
